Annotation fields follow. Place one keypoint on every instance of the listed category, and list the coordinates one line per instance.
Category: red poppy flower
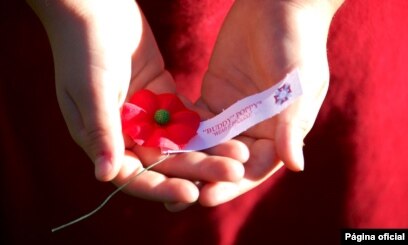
(159, 120)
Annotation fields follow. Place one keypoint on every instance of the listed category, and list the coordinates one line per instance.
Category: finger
(193, 165)
(262, 163)
(177, 206)
(294, 123)
(152, 185)
(93, 119)
(234, 149)
(214, 194)
(289, 146)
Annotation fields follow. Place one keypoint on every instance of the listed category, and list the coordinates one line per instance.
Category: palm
(258, 44)
(104, 51)
(148, 72)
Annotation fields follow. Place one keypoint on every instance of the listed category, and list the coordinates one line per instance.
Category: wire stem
(85, 216)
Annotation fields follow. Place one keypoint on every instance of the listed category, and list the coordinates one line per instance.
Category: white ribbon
(231, 122)
(244, 114)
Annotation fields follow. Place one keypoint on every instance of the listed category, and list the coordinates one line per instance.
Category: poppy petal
(186, 117)
(132, 116)
(180, 134)
(140, 132)
(146, 100)
(183, 127)
(159, 138)
(170, 102)
(138, 121)
(130, 111)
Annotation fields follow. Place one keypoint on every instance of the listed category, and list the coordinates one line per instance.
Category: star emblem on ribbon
(283, 94)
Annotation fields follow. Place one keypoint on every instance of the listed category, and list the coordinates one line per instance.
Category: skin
(104, 51)
(260, 42)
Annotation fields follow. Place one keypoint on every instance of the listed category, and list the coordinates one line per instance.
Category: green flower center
(162, 116)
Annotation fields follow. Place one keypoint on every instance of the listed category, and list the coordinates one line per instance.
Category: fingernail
(103, 167)
(297, 150)
(176, 207)
(298, 157)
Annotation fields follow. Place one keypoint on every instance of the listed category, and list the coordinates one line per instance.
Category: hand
(259, 43)
(93, 43)
(103, 52)
(219, 164)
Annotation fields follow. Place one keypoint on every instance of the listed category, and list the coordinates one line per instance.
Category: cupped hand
(259, 43)
(93, 43)
(103, 52)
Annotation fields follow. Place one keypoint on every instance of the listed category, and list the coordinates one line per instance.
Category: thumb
(93, 120)
(289, 144)
(294, 123)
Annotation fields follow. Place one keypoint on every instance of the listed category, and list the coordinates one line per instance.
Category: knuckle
(90, 139)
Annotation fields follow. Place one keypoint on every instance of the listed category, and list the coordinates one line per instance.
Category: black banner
(374, 236)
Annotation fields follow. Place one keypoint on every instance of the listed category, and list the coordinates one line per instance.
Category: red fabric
(356, 157)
